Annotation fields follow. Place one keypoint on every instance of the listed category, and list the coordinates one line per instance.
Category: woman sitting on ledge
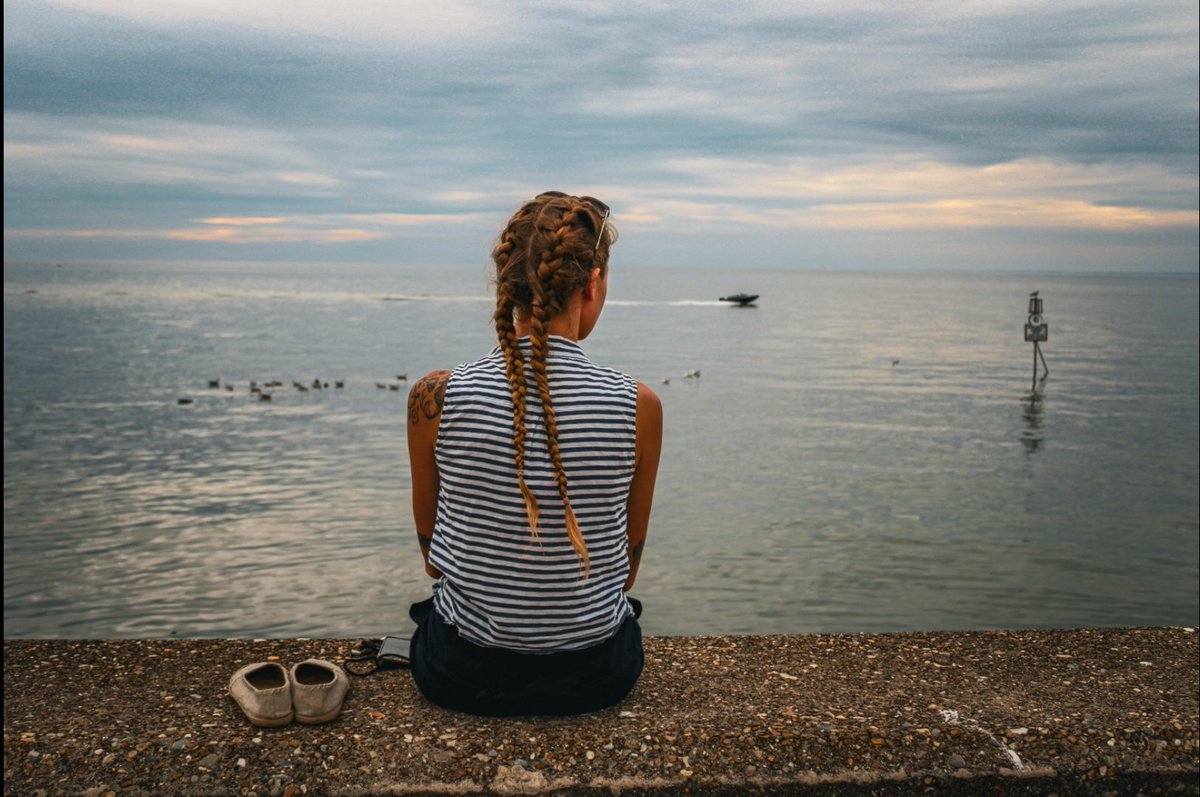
(532, 479)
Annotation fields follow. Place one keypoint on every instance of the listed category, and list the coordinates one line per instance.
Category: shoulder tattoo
(426, 397)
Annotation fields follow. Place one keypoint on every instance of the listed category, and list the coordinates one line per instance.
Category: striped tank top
(501, 587)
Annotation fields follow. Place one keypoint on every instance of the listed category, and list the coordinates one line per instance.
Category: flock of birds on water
(689, 375)
(262, 389)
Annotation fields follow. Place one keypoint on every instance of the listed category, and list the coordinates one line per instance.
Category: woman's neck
(564, 325)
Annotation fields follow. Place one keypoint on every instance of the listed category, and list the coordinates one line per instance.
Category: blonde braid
(546, 304)
(514, 366)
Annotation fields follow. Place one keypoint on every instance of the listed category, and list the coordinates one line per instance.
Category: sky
(969, 135)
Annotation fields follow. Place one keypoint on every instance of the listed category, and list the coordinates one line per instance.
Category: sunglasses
(598, 206)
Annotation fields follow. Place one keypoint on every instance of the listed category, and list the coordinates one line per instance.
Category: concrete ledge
(1097, 711)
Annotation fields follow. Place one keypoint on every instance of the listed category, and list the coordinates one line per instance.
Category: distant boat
(741, 299)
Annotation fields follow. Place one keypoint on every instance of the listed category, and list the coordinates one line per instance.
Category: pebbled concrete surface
(1091, 711)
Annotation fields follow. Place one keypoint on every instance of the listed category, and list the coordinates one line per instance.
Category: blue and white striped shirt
(501, 587)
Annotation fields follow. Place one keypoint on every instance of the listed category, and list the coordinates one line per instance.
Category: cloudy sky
(1044, 136)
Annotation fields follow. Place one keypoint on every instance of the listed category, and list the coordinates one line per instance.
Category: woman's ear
(589, 290)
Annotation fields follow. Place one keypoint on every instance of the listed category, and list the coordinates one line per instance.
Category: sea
(855, 452)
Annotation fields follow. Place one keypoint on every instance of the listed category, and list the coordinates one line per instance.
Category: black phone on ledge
(388, 653)
(393, 652)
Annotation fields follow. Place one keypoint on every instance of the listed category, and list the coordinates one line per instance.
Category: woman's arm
(641, 492)
(424, 417)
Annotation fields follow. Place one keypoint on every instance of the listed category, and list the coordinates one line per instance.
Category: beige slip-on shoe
(264, 693)
(318, 689)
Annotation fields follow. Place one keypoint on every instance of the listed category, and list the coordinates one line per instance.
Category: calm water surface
(861, 451)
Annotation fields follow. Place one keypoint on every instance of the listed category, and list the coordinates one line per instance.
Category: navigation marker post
(1037, 332)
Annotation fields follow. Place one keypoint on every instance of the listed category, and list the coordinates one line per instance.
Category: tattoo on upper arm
(427, 396)
(424, 541)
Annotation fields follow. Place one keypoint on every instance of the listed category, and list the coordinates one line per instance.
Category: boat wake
(664, 303)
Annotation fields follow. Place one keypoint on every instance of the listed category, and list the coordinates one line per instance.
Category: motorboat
(741, 299)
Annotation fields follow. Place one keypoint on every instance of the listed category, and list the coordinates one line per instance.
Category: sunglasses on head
(598, 206)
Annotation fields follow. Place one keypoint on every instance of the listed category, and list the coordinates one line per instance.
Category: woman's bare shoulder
(649, 411)
(426, 397)
(647, 399)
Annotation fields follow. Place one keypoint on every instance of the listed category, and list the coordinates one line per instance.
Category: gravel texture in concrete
(1093, 711)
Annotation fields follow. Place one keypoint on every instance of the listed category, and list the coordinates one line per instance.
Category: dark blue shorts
(462, 676)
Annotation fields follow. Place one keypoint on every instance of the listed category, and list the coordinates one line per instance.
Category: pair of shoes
(271, 697)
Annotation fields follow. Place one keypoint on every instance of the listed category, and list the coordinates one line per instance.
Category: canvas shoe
(318, 689)
(264, 693)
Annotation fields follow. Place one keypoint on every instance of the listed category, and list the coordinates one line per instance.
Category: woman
(532, 478)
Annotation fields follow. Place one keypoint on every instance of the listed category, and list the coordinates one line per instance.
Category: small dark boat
(740, 299)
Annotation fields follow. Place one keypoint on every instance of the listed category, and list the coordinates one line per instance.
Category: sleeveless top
(501, 587)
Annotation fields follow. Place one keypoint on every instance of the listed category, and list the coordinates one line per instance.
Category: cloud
(249, 230)
(995, 213)
(425, 23)
(911, 194)
(414, 119)
(243, 222)
(235, 234)
(940, 214)
(272, 235)
(42, 149)
(901, 177)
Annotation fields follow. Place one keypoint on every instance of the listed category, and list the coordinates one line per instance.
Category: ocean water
(861, 452)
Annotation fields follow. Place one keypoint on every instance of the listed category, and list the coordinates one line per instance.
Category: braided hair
(545, 254)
